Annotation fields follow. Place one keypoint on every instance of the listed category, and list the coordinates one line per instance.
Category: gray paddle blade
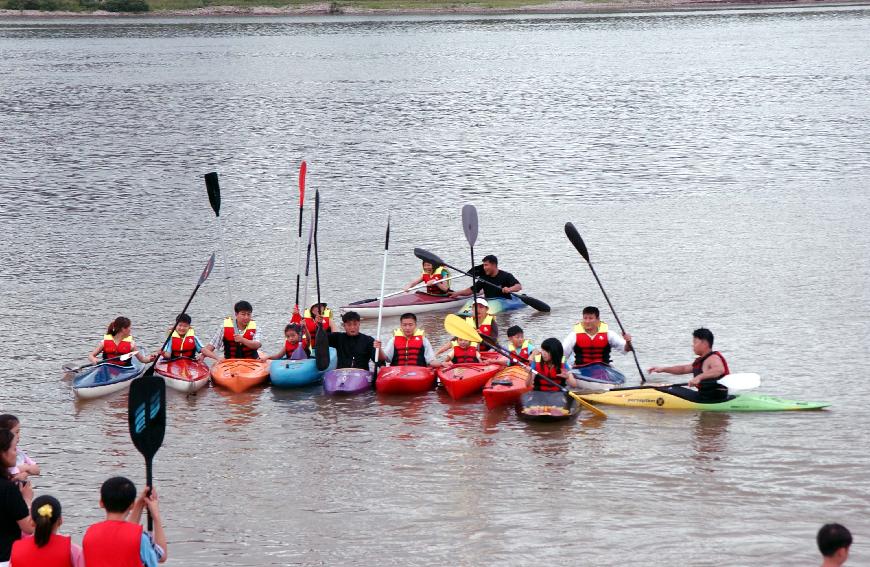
(469, 223)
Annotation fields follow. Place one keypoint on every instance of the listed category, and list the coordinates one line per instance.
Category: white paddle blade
(743, 381)
(128, 356)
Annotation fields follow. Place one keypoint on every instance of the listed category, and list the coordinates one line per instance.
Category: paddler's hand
(654, 370)
(506, 290)
(694, 382)
(152, 358)
(238, 338)
(628, 345)
(378, 345)
(319, 319)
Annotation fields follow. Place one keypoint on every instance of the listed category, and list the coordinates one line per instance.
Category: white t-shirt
(617, 344)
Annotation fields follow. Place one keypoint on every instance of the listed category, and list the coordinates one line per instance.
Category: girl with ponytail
(46, 548)
(117, 342)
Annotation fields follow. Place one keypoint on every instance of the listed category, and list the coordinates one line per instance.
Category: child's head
(244, 311)
(463, 343)
(182, 323)
(551, 351)
(45, 511)
(292, 332)
(117, 494)
(118, 325)
(515, 334)
(428, 267)
(10, 422)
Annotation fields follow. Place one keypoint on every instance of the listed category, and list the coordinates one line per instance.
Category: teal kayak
(286, 373)
(496, 305)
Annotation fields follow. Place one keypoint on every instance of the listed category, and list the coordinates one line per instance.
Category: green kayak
(679, 398)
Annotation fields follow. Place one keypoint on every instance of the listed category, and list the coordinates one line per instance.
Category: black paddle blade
(427, 256)
(576, 240)
(469, 223)
(536, 304)
(146, 414)
(214, 192)
(208, 268)
(387, 241)
(321, 349)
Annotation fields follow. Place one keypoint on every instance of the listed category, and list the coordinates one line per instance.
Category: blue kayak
(286, 373)
(599, 373)
(496, 305)
(106, 378)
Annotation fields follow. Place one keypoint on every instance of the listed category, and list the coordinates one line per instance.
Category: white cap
(482, 301)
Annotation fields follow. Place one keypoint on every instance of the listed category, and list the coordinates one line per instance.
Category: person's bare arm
(676, 370)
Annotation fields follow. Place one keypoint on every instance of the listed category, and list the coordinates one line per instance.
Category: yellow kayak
(679, 398)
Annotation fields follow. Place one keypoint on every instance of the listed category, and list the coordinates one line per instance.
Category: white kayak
(418, 302)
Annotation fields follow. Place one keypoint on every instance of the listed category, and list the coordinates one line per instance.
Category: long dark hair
(45, 512)
(8, 421)
(116, 325)
(7, 438)
(554, 347)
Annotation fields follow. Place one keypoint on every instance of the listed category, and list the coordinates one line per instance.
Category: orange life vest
(183, 347)
(312, 326)
(408, 351)
(589, 349)
(232, 349)
(111, 349)
(432, 279)
(112, 543)
(56, 553)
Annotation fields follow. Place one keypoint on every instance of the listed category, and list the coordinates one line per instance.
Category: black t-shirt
(12, 508)
(501, 279)
(353, 352)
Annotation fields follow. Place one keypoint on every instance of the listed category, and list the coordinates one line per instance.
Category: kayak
(547, 406)
(506, 387)
(239, 374)
(183, 374)
(106, 378)
(493, 357)
(405, 379)
(417, 302)
(286, 373)
(496, 305)
(597, 376)
(462, 380)
(680, 398)
(347, 381)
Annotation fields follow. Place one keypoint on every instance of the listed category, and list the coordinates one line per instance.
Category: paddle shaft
(308, 259)
(126, 356)
(383, 283)
(316, 261)
(473, 286)
(416, 287)
(302, 169)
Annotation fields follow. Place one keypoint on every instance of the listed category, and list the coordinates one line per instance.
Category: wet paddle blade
(576, 240)
(207, 270)
(146, 414)
(587, 405)
(321, 346)
(299, 353)
(742, 381)
(469, 223)
(427, 256)
(214, 192)
(536, 304)
(456, 326)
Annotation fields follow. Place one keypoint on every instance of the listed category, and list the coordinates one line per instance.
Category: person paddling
(433, 277)
(293, 335)
(834, 542)
(505, 282)
(183, 343)
(592, 341)
(238, 340)
(354, 349)
(117, 342)
(550, 361)
(486, 324)
(706, 369)
(46, 548)
(409, 345)
(519, 347)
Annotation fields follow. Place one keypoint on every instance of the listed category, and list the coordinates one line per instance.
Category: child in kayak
(459, 351)
(545, 363)
(293, 335)
(117, 342)
(24, 466)
(433, 278)
(46, 547)
(184, 343)
(239, 339)
(520, 348)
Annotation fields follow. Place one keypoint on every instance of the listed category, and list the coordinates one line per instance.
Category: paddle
(734, 383)
(122, 358)
(416, 287)
(578, 243)
(321, 341)
(383, 282)
(146, 404)
(427, 256)
(469, 227)
(456, 326)
(299, 353)
(297, 316)
(214, 198)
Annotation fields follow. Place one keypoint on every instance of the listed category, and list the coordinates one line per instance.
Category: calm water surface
(717, 165)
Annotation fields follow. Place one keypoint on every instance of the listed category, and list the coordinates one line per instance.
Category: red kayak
(405, 379)
(462, 380)
(492, 357)
(506, 387)
(183, 374)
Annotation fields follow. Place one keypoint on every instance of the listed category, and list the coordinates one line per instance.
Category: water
(715, 163)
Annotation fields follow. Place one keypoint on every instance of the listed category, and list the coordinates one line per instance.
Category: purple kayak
(347, 381)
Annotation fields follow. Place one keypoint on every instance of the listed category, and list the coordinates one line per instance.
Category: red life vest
(464, 355)
(591, 349)
(486, 327)
(183, 347)
(112, 544)
(56, 553)
(698, 365)
(408, 351)
(111, 349)
(550, 371)
(522, 353)
(432, 279)
(232, 349)
(290, 348)
(312, 326)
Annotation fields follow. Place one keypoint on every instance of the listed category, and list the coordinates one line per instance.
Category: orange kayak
(462, 380)
(240, 374)
(506, 387)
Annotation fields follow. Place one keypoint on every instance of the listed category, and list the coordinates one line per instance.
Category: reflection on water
(710, 438)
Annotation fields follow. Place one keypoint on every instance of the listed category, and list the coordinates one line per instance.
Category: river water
(717, 165)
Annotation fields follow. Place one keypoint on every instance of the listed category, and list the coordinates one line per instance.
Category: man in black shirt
(505, 282)
(354, 349)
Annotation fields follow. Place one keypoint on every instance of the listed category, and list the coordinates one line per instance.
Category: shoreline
(567, 7)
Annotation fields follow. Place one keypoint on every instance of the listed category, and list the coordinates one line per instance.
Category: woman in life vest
(434, 278)
(294, 337)
(318, 314)
(46, 548)
(459, 351)
(550, 362)
(117, 342)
